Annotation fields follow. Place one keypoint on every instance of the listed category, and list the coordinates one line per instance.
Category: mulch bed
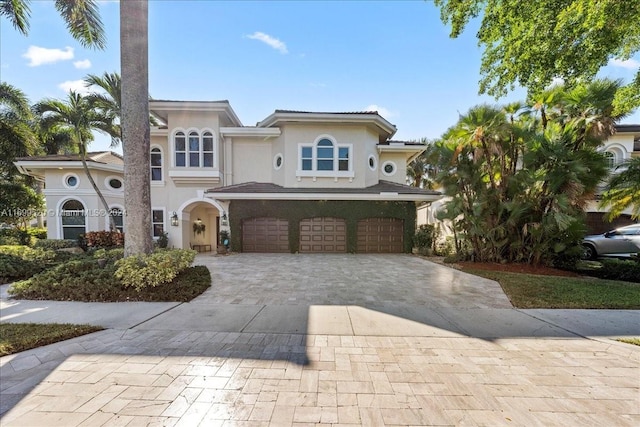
(517, 268)
(508, 268)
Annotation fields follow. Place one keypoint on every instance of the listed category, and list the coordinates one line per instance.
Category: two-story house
(294, 182)
(623, 145)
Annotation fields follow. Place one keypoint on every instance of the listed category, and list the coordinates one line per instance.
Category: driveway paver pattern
(450, 351)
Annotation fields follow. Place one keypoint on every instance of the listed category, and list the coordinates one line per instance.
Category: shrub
(38, 233)
(163, 240)
(154, 269)
(19, 262)
(14, 236)
(111, 255)
(425, 237)
(84, 280)
(616, 269)
(104, 239)
(77, 280)
(54, 244)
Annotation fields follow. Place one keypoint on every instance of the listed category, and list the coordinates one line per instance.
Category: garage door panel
(380, 235)
(265, 235)
(323, 235)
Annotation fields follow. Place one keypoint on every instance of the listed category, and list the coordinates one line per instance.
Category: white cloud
(630, 63)
(83, 64)
(381, 110)
(271, 41)
(78, 86)
(41, 55)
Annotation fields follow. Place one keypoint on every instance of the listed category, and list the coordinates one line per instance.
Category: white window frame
(67, 176)
(60, 216)
(201, 152)
(164, 221)
(389, 163)
(107, 222)
(151, 167)
(335, 173)
(174, 151)
(107, 183)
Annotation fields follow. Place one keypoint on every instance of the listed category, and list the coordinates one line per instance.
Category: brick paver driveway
(332, 340)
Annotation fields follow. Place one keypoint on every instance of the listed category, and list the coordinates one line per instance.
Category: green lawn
(533, 291)
(17, 337)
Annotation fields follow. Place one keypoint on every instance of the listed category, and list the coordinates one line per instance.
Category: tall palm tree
(16, 136)
(82, 19)
(623, 190)
(134, 60)
(80, 117)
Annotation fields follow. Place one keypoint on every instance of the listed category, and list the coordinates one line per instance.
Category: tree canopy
(533, 43)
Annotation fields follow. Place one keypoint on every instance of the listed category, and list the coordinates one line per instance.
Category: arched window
(73, 219)
(207, 149)
(194, 149)
(611, 159)
(325, 156)
(156, 164)
(180, 149)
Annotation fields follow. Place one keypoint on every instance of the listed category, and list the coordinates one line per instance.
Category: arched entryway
(199, 224)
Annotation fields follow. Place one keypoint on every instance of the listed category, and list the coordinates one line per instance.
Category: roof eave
(277, 117)
(382, 196)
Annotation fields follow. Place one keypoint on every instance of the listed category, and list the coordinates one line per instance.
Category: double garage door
(323, 235)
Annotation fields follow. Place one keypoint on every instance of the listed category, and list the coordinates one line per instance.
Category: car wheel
(589, 252)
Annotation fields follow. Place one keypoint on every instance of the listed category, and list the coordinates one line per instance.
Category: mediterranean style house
(295, 182)
(623, 145)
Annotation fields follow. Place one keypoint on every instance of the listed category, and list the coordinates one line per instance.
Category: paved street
(324, 339)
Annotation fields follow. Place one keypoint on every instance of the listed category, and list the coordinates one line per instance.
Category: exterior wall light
(174, 219)
(225, 220)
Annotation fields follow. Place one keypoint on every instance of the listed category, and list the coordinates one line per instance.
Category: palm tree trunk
(105, 205)
(134, 60)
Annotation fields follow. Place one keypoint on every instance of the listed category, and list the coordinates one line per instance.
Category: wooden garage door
(323, 235)
(265, 235)
(380, 235)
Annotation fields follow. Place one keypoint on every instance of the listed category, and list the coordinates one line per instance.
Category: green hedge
(55, 244)
(19, 262)
(295, 211)
(617, 269)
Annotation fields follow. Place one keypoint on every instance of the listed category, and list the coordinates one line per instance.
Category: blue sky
(392, 56)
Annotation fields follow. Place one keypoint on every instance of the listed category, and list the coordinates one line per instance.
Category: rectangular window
(180, 151)
(307, 159)
(194, 150)
(343, 159)
(156, 165)
(207, 151)
(157, 222)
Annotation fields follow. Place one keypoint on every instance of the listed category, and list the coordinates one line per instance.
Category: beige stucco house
(623, 145)
(294, 182)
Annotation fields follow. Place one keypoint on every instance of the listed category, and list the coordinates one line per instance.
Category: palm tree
(16, 136)
(82, 19)
(623, 190)
(109, 102)
(134, 60)
(79, 117)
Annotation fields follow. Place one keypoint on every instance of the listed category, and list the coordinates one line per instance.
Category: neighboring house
(295, 182)
(623, 145)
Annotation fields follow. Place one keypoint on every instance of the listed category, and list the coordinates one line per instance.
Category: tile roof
(106, 157)
(267, 187)
(391, 141)
(325, 112)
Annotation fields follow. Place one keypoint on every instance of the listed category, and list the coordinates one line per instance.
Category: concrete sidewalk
(444, 351)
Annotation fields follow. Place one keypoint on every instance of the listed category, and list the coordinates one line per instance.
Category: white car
(621, 242)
